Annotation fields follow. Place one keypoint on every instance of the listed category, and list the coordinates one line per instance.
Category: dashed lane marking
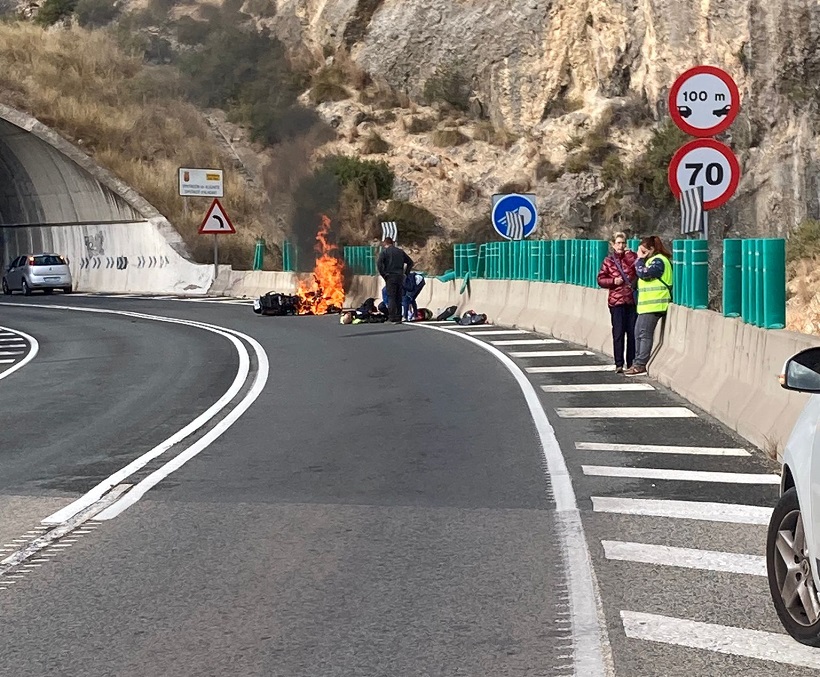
(625, 412)
(694, 510)
(766, 646)
(686, 558)
(582, 368)
(597, 388)
(526, 342)
(661, 449)
(494, 332)
(551, 353)
(681, 475)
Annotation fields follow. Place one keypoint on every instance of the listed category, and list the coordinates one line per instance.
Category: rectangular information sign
(201, 182)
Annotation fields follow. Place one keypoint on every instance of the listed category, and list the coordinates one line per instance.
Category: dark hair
(654, 242)
(388, 240)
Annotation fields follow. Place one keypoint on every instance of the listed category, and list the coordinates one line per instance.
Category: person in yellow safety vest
(654, 269)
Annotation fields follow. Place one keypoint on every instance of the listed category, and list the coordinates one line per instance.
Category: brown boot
(637, 370)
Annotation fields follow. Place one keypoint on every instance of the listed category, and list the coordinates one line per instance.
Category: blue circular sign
(515, 217)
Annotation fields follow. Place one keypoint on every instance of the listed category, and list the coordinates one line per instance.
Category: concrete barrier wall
(119, 257)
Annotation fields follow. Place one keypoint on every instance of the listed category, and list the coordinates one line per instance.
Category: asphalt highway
(383, 507)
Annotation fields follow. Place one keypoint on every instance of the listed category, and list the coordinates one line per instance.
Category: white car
(37, 271)
(793, 542)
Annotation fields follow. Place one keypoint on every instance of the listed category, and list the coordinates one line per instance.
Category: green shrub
(447, 138)
(323, 92)
(419, 125)
(95, 13)
(479, 230)
(649, 172)
(561, 106)
(374, 144)
(514, 187)
(635, 112)
(449, 85)
(577, 163)
(53, 11)
(546, 170)
(804, 241)
(442, 257)
(373, 179)
(613, 171)
(189, 30)
(573, 143)
(415, 223)
(486, 131)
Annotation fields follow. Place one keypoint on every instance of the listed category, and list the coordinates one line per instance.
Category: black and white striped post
(693, 217)
(391, 230)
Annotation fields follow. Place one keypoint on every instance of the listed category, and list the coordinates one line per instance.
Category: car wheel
(789, 570)
(26, 289)
(6, 288)
(47, 291)
(67, 290)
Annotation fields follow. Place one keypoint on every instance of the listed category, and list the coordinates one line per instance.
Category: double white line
(138, 491)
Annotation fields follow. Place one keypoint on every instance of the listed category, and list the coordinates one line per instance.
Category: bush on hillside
(415, 223)
(374, 144)
(450, 86)
(447, 138)
(373, 180)
(53, 11)
(649, 172)
(95, 13)
(804, 242)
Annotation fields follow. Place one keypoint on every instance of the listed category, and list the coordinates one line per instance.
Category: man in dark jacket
(393, 264)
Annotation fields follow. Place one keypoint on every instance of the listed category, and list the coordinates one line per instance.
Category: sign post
(216, 222)
(703, 174)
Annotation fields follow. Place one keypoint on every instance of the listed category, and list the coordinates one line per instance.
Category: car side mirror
(802, 372)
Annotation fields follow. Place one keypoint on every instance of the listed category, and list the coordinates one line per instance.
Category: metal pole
(705, 234)
(216, 255)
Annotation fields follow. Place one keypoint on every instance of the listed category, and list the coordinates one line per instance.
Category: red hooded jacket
(622, 294)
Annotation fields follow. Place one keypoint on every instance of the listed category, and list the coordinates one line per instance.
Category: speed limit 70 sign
(706, 163)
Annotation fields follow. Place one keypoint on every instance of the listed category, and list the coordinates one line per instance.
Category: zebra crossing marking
(766, 646)
(526, 342)
(597, 387)
(733, 513)
(625, 412)
(661, 449)
(681, 475)
(580, 369)
(686, 558)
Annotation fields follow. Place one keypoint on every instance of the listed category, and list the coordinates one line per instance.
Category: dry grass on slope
(131, 118)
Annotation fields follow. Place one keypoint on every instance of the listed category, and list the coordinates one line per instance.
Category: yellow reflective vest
(654, 296)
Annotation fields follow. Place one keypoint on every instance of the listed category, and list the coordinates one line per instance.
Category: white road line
(526, 342)
(243, 370)
(693, 510)
(6, 353)
(7, 362)
(34, 348)
(598, 388)
(16, 339)
(765, 646)
(139, 490)
(580, 369)
(552, 353)
(625, 412)
(591, 650)
(681, 475)
(686, 558)
(661, 449)
(497, 332)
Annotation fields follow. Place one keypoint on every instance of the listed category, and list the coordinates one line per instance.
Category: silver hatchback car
(37, 271)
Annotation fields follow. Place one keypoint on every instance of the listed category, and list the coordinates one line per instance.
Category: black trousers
(395, 291)
(623, 325)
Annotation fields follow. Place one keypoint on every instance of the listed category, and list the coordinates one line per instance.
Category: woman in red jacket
(618, 275)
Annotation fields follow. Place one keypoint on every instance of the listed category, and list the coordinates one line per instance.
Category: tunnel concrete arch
(54, 197)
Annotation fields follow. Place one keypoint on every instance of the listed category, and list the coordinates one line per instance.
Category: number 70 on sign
(708, 164)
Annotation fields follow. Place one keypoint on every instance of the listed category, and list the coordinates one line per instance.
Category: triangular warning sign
(216, 221)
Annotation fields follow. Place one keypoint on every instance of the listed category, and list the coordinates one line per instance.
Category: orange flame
(325, 291)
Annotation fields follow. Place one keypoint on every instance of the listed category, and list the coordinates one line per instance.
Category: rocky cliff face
(523, 56)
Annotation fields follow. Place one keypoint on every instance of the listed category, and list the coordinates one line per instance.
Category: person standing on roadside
(654, 269)
(393, 264)
(618, 275)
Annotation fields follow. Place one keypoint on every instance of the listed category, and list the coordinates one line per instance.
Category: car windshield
(47, 261)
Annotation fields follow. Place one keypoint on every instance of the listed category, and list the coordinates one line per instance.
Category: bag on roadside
(446, 314)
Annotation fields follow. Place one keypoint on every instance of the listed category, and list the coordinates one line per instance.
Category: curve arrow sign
(216, 221)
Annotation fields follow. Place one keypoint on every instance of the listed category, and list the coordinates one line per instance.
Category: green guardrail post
(678, 273)
(700, 274)
(746, 281)
(600, 252)
(288, 257)
(758, 247)
(774, 283)
(258, 254)
(546, 260)
(732, 277)
(559, 248)
(633, 243)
